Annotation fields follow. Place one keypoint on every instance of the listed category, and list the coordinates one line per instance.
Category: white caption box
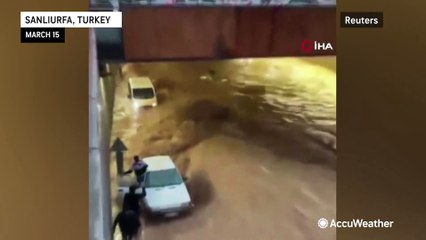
(71, 19)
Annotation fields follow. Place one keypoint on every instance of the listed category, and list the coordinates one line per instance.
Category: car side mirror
(185, 179)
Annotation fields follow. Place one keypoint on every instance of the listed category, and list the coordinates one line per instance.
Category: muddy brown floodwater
(255, 137)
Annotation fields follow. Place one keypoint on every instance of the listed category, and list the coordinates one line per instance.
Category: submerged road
(242, 131)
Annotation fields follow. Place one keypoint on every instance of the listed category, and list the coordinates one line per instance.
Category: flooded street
(255, 137)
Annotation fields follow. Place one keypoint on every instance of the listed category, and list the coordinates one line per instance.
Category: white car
(142, 92)
(166, 191)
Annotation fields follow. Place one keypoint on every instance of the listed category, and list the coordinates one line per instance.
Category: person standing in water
(128, 222)
(139, 167)
(132, 199)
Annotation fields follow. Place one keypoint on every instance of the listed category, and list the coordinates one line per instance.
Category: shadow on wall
(109, 43)
(107, 97)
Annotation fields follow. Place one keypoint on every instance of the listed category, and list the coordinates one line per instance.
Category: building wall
(100, 92)
(282, 30)
(164, 33)
(217, 32)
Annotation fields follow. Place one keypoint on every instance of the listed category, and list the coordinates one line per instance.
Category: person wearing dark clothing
(139, 167)
(128, 222)
(132, 200)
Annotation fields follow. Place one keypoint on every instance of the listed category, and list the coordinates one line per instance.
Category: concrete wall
(231, 32)
(164, 33)
(280, 31)
(101, 94)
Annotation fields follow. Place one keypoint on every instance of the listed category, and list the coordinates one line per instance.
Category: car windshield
(163, 178)
(143, 93)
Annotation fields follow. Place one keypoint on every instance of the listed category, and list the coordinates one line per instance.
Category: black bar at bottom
(42, 35)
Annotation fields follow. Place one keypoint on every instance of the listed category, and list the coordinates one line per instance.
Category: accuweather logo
(354, 223)
(309, 46)
(322, 223)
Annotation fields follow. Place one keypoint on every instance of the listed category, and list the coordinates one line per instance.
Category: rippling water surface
(300, 90)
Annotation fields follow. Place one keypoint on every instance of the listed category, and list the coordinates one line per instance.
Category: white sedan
(166, 191)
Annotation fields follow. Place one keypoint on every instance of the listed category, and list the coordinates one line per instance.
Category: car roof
(140, 82)
(160, 162)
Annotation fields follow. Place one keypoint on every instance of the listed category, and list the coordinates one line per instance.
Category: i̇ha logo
(309, 46)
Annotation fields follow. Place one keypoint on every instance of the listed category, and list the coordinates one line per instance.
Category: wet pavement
(255, 137)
